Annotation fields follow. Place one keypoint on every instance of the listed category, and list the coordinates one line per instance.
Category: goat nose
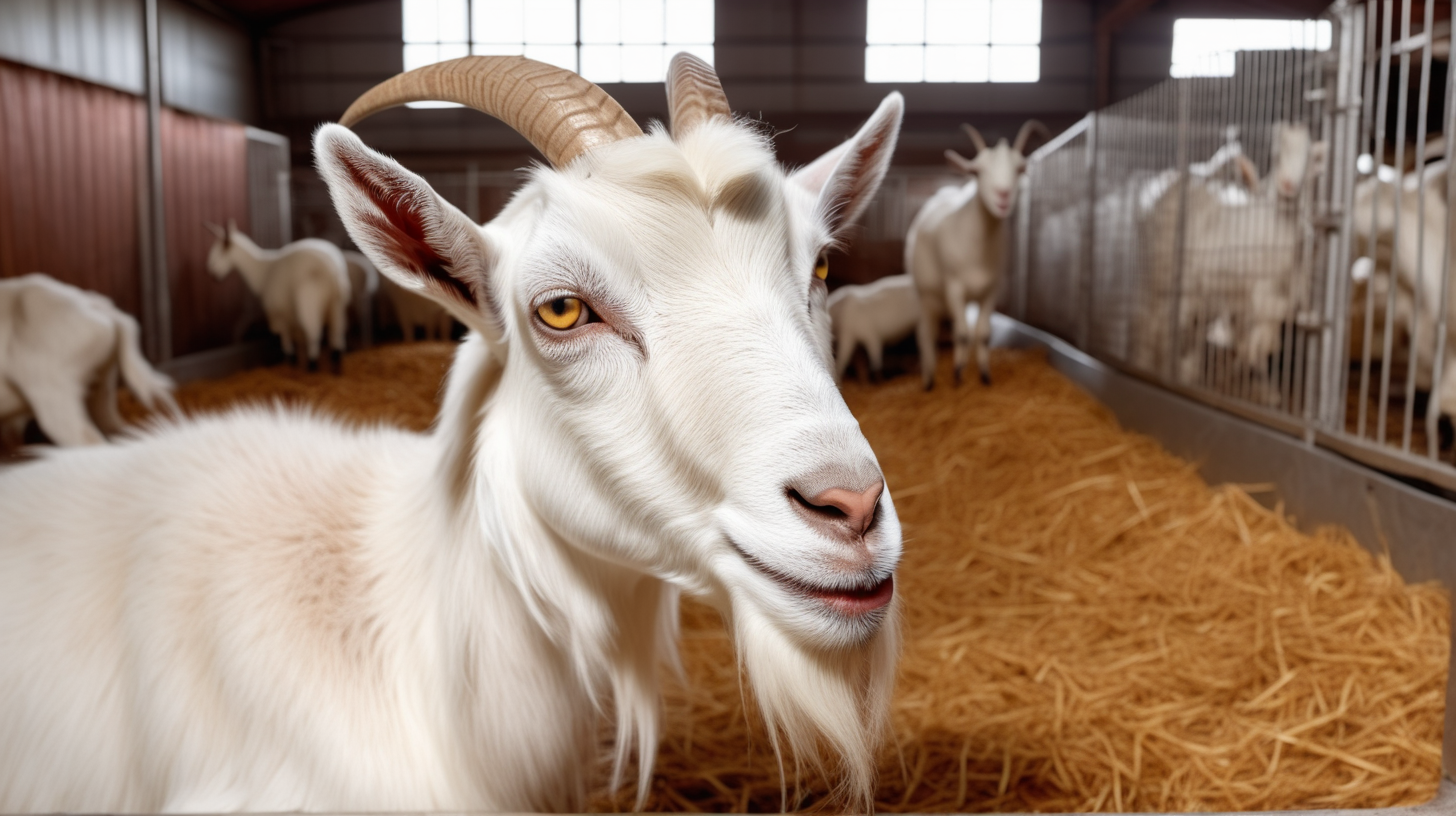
(841, 512)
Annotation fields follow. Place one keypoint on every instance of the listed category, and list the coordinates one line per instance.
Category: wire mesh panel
(1275, 242)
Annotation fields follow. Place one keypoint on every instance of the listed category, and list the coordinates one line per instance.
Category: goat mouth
(870, 594)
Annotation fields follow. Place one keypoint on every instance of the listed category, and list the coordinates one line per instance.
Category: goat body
(304, 287)
(415, 311)
(61, 351)
(872, 315)
(363, 285)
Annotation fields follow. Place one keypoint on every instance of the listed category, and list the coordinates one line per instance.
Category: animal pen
(1273, 244)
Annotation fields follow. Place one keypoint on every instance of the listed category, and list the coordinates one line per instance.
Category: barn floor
(1088, 625)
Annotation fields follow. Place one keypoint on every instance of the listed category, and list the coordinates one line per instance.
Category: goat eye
(821, 267)
(563, 312)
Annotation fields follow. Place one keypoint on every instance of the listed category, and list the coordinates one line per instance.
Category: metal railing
(1275, 242)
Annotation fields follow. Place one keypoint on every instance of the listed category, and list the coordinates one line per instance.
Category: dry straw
(1089, 626)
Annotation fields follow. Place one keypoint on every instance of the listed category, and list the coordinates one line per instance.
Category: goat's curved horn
(559, 113)
(1023, 135)
(975, 137)
(694, 94)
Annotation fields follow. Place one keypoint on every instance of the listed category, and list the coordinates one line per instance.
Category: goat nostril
(854, 509)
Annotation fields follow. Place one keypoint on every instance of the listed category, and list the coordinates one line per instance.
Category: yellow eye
(561, 313)
(821, 267)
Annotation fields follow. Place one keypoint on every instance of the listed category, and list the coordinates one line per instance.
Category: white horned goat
(268, 610)
(304, 287)
(872, 315)
(955, 248)
(62, 350)
(1241, 255)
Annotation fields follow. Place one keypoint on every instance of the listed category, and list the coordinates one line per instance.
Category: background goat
(304, 287)
(872, 315)
(955, 250)
(61, 351)
(271, 611)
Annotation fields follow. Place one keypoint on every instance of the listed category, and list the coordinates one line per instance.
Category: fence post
(1170, 363)
(1089, 248)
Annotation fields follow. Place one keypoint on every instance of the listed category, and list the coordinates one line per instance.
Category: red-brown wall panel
(204, 178)
(70, 154)
(72, 191)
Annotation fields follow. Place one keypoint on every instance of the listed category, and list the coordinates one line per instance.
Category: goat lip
(857, 601)
(851, 601)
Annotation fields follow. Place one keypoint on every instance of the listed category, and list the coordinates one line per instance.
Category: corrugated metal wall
(205, 178)
(70, 182)
(71, 191)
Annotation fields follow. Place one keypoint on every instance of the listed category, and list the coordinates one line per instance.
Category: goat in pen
(269, 611)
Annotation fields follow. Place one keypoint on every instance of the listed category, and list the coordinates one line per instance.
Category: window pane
(643, 63)
(562, 56)
(551, 21)
(498, 49)
(958, 22)
(1015, 22)
(894, 63)
(689, 21)
(1206, 47)
(419, 54)
(1015, 63)
(601, 22)
(498, 21)
(601, 63)
(895, 22)
(421, 21)
(642, 22)
(956, 63)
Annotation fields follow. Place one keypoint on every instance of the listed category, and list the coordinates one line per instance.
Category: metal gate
(1274, 243)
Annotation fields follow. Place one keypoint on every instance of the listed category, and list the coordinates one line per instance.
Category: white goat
(1240, 255)
(1416, 255)
(61, 351)
(271, 611)
(413, 311)
(955, 247)
(363, 286)
(872, 315)
(304, 287)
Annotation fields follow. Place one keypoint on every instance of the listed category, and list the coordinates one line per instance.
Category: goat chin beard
(825, 708)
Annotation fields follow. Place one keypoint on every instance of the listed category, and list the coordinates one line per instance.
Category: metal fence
(1275, 242)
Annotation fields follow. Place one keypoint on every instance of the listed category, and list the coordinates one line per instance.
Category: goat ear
(217, 231)
(412, 235)
(846, 178)
(960, 162)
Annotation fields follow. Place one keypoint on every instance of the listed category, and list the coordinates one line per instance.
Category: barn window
(603, 40)
(1206, 47)
(953, 41)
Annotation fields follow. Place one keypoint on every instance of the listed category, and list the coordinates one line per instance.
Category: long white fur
(62, 350)
(871, 315)
(304, 287)
(269, 611)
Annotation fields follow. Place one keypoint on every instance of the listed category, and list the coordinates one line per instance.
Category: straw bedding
(1088, 625)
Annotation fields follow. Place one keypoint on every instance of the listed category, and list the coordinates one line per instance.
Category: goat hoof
(959, 376)
(985, 378)
(336, 362)
(312, 366)
(929, 385)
